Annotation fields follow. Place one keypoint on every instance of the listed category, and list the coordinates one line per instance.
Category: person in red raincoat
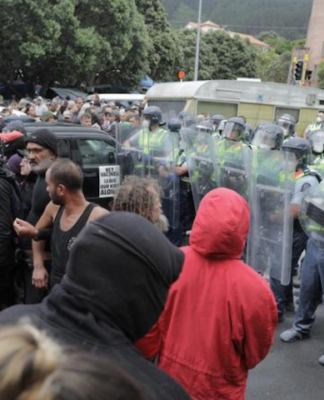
(220, 316)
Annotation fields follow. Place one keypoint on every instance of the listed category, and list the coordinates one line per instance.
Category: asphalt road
(291, 370)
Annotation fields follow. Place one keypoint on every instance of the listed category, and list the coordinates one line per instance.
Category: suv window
(96, 152)
(63, 148)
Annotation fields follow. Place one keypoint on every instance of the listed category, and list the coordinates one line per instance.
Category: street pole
(198, 43)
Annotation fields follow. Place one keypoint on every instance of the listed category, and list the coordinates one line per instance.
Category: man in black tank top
(63, 219)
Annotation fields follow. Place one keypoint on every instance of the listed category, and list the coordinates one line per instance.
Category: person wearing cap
(41, 150)
(48, 117)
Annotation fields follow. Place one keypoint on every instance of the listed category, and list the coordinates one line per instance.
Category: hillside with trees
(288, 18)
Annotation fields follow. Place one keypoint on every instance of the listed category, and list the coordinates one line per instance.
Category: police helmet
(316, 140)
(216, 120)
(174, 125)
(301, 148)
(288, 123)
(186, 119)
(153, 114)
(205, 127)
(234, 129)
(268, 136)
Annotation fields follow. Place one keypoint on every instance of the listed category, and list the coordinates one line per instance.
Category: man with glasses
(41, 151)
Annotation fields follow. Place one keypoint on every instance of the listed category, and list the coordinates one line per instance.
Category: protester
(7, 249)
(220, 317)
(67, 214)
(139, 195)
(41, 150)
(34, 367)
(114, 291)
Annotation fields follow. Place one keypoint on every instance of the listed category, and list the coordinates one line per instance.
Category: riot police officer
(186, 208)
(156, 147)
(216, 120)
(268, 136)
(312, 273)
(304, 179)
(231, 157)
(316, 140)
(288, 124)
(318, 125)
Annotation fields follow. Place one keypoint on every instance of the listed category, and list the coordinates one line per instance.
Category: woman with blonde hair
(34, 367)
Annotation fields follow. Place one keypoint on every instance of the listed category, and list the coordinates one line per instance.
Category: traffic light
(308, 75)
(298, 72)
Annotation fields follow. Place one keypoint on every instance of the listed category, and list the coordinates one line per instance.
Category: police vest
(152, 142)
(306, 172)
(314, 127)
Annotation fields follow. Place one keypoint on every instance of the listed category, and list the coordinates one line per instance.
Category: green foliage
(72, 40)
(273, 67)
(221, 57)
(320, 75)
(164, 45)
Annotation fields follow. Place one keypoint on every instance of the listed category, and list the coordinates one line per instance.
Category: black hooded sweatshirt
(119, 273)
(7, 248)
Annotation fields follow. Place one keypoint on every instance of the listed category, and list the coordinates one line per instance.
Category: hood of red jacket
(221, 225)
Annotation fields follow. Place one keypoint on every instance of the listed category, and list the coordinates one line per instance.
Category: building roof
(208, 24)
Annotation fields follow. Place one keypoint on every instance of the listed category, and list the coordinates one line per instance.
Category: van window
(283, 110)
(170, 108)
(96, 152)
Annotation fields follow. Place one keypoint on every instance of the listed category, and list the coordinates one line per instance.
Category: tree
(221, 57)
(208, 61)
(72, 40)
(123, 38)
(320, 75)
(164, 49)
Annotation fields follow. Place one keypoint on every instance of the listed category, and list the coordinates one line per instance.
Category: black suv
(96, 152)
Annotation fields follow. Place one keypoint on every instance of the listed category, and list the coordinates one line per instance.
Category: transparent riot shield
(153, 155)
(312, 214)
(233, 164)
(127, 157)
(269, 247)
(198, 149)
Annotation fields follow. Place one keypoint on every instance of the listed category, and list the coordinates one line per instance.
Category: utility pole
(198, 43)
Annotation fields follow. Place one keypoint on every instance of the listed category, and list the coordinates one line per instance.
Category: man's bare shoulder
(97, 212)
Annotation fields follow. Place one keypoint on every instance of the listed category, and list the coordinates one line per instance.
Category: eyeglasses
(34, 151)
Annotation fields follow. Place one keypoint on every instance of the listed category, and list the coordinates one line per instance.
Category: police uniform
(312, 128)
(303, 180)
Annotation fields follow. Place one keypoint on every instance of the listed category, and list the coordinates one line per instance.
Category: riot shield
(126, 156)
(312, 214)
(198, 149)
(233, 163)
(153, 155)
(269, 247)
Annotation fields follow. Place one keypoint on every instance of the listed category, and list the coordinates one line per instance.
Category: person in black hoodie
(7, 248)
(115, 288)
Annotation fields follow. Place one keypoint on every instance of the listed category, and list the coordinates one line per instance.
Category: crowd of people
(88, 112)
(108, 303)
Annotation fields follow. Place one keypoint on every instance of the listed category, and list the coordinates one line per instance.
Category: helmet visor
(233, 131)
(264, 139)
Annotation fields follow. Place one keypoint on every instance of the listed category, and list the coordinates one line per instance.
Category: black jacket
(119, 273)
(7, 181)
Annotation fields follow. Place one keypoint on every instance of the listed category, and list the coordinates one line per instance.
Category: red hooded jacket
(220, 317)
